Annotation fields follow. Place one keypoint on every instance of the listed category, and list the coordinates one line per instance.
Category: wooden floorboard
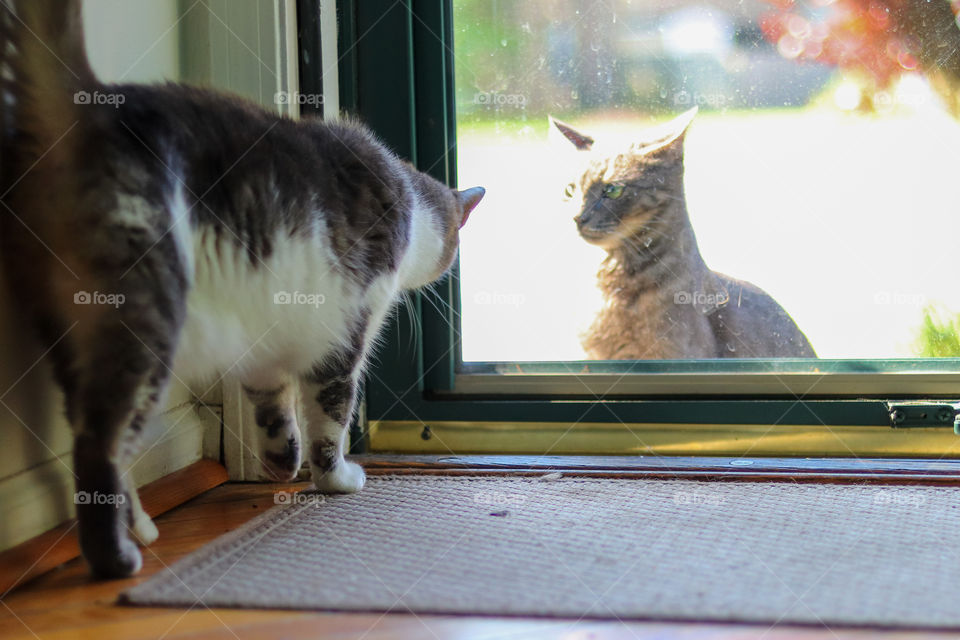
(39, 555)
(65, 603)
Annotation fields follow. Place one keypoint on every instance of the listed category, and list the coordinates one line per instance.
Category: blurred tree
(880, 38)
(516, 58)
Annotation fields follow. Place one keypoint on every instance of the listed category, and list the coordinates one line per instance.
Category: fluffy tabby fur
(661, 301)
(151, 229)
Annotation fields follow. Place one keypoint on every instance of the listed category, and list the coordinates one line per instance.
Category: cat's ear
(581, 141)
(469, 199)
(677, 127)
(667, 137)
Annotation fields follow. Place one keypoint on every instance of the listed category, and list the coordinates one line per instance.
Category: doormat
(573, 547)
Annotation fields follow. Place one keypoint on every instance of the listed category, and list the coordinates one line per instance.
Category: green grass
(480, 123)
(939, 335)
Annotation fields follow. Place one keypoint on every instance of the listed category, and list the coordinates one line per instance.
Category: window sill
(878, 470)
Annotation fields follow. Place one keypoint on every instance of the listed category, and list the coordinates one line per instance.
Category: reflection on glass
(723, 179)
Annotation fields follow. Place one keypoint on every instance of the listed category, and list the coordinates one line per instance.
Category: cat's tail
(44, 76)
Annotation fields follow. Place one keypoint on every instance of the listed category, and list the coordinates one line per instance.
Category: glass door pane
(820, 168)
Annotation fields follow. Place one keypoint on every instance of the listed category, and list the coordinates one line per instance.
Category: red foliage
(864, 35)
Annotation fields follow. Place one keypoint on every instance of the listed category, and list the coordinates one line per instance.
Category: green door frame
(396, 74)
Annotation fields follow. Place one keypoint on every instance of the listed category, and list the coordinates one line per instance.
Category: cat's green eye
(570, 190)
(613, 191)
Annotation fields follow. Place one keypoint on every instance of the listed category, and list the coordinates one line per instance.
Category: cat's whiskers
(639, 248)
(630, 243)
(638, 234)
(439, 304)
(670, 196)
(416, 330)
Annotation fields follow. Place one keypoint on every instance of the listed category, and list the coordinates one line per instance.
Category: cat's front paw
(344, 477)
(144, 529)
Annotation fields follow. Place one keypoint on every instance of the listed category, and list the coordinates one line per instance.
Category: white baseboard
(41, 497)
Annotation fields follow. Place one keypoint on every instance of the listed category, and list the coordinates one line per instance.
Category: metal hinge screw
(912, 414)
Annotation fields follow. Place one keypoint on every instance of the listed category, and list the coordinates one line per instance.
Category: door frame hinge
(924, 414)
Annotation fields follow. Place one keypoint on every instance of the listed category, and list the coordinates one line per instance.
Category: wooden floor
(65, 603)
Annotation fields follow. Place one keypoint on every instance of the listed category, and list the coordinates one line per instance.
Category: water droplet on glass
(647, 241)
(574, 95)
(503, 42)
(594, 46)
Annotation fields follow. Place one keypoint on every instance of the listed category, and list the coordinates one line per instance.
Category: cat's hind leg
(118, 390)
(328, 407)
(127, 324)
(274, 400)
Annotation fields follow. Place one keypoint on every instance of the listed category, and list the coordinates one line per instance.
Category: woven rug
(594, 548)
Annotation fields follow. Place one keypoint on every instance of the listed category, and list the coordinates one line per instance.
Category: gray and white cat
(151, 229)
(661, 301)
